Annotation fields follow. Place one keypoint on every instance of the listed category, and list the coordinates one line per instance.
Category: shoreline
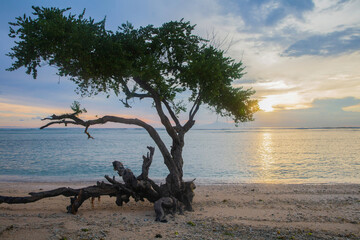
(198, 181)
(222, 211)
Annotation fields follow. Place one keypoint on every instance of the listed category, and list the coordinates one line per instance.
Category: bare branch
(146, 164)
(172, 114)
(196, 104)
(195, 108)
(131, 94)
(223, 42)
(188, 125)
(130, 121)
(65, 116)
(87, 133)
(164, 119)
(59, 122)
(62, 118)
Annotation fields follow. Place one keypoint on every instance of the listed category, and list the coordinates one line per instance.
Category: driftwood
(139, 188)
(166, 205)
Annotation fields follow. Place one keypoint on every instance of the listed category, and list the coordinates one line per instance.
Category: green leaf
(169, 60)
(77, 108)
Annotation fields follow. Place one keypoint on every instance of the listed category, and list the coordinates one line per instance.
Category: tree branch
(131, 94)
(164, 119)
(172, 114)
(87, 133)
(195, 108)
(81, 195)
(146, 164)
(130, 121)
(64, 116)
(59, 122)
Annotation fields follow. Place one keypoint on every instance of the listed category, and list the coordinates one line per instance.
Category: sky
(302, 58)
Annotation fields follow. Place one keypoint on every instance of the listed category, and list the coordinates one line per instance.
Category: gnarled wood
(175, 185)
(73, 119)
(81, 194)
(139, 188)
(166, 205)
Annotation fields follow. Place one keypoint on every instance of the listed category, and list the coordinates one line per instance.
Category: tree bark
(175, 186)
(139, 188)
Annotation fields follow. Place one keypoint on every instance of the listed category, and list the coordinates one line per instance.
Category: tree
(159, 63)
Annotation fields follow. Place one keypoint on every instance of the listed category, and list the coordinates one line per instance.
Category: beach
(232, 211)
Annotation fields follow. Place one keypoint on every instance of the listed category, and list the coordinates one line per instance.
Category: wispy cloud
(324, 113)
(339, 42)
(26, 110)
(267, 13)
(297, 54)
(12, 114)
(16, 114)
(354, 108)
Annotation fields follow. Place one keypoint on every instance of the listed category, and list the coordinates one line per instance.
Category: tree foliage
(162, 63)
(146, 62)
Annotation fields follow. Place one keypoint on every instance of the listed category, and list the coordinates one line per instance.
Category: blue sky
(302, 57)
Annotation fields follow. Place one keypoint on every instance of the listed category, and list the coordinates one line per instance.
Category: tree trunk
(168, 196)
(182, 191)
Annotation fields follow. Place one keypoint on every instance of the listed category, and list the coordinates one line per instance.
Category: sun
(266, 105)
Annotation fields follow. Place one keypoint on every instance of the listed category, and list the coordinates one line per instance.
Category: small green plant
(191, 223)
(77, 108)
(229, 234)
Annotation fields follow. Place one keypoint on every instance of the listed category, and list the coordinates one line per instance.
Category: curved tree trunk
(182, 191)
(175, 186)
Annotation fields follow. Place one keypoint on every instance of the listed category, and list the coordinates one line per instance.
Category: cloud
(323, 113)
(17, 114)
(334, 43)
(20, 115)
(297, 28)
(334, 105)
(354, 108)
(306, 77)
(25, 110)
(329, 16)
(267, 13)
(295, 52)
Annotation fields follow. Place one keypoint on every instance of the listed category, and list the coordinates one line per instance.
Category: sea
(212, 156)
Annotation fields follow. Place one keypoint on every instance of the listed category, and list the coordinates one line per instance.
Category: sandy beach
(241, 211)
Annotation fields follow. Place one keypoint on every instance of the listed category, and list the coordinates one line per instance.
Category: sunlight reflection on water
(211, 156)
(266, 153)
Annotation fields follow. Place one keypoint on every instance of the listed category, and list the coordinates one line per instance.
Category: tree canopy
(146, 62)
(162, 63)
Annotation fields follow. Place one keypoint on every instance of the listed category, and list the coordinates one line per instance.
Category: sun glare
(286, 101)
(266, 105)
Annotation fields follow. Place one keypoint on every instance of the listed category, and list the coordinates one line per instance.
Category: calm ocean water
(211, 156)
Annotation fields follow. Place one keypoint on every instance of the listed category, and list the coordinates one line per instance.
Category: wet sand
(239, 211)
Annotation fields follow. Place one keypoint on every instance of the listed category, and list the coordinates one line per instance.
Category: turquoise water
(211, 156)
